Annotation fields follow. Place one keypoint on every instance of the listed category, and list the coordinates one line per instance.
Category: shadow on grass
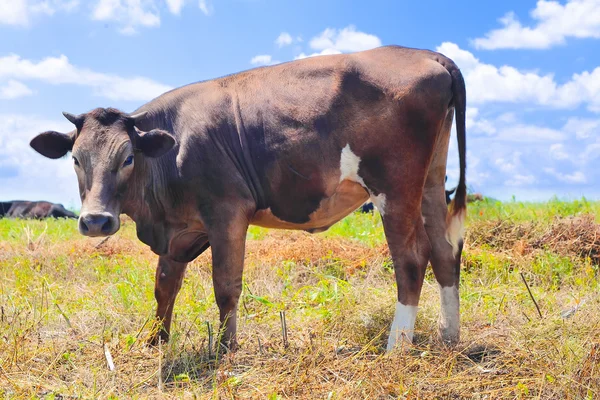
(482, 353)
(190, 366)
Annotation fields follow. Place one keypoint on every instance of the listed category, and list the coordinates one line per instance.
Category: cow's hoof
(153, 340)
(449, 337)
(227, 347)
(402, 343)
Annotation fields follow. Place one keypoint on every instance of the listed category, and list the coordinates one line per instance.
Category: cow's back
(297, 118)
(19, 209)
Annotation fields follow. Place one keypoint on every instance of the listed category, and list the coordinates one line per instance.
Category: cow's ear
(52, 144)
(155, 143)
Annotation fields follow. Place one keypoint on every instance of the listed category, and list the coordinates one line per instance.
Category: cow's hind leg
(409, 248)
(446, 266)
(444, 261)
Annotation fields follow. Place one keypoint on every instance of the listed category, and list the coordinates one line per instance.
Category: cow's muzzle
(98, 224)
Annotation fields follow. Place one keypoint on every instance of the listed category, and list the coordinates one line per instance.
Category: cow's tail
(455, 219)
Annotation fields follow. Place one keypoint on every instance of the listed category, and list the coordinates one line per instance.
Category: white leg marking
(455, 231)
(379, 202)
(450, 313)
(403, 326)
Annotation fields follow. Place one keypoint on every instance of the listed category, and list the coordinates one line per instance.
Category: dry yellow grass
(63, 300)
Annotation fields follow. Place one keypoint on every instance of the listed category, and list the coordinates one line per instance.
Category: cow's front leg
(169, 276)
(228, 246)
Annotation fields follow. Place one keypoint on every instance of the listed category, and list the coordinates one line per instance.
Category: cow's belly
(347, 197)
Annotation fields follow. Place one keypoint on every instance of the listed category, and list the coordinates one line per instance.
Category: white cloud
(334, 41)
(508, 160)
(525, 133)
(205, 7)
(554, 23)
(488, 83)
(133, 14)
(574, 178)
(132, 89)
(520, 180)
(42, 8)
(478, 125)
(14, 12)
(557, 152)
(26, 175)
(58, 70)
(477, 176)
(511, 165)
(14, 89)
(582, 88)
(263, 59)
(284, 39)
(67, 5)
(20, 12)
(130, 14)
(325, 52)
(591, 152)
(175, 6)
(515, 170)
(345, 40)
(583, 127)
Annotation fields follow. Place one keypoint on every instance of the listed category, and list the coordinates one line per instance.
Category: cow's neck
(148, 194)
(149, 199)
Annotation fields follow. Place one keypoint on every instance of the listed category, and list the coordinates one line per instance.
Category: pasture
(68, 303)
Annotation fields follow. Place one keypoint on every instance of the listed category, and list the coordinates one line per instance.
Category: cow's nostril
(101, 224)
(107, 226)
(83, 226)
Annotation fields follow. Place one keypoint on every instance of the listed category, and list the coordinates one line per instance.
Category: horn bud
(138, 116)
(74, 119)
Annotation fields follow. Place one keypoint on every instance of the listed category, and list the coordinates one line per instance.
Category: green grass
(62, 297)
(527, 211)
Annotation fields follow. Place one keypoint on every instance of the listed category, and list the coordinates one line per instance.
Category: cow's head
(106, 146)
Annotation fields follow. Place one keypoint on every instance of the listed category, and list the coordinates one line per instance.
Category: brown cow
(297, 145)
(34, 209)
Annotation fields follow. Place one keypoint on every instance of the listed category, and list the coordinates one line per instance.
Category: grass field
(66, 300)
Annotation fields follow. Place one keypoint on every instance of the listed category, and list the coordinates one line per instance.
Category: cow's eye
(76, 162)
(128, 161)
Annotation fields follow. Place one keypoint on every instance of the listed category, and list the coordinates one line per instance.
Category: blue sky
(532, 72)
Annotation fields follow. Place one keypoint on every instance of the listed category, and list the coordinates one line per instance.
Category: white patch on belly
(403, 327)
(349, 164)
(450, 313)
